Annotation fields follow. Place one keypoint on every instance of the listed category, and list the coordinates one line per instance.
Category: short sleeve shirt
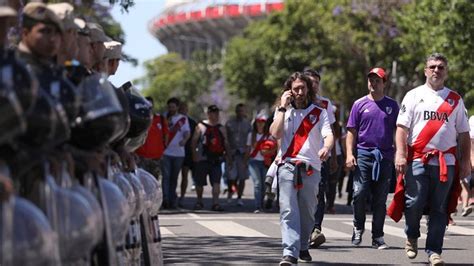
(327, 104)
(312, 142)
(375, 123)
(237, 132)
(471, 126)
(420, 106)
(178, 125)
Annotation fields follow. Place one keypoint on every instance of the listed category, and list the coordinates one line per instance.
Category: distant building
(189, 25)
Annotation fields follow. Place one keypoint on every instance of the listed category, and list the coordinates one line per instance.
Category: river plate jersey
(304, 130)
(422, 107)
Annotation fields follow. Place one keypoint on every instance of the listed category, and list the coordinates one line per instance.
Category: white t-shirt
(326, 104)
(471, 126)
(178, 126)
(419, 106)
(313, 143)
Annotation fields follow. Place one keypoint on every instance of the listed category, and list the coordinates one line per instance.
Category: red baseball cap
(379, 72)
(261, 118)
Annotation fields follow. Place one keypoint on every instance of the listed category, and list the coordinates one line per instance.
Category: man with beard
(301, 127)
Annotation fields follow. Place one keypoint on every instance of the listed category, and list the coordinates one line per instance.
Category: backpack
(213, 142)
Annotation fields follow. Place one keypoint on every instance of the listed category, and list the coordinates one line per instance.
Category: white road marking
(166, 232)
(389, 230)
(228, 228)
(193, 215)
(459, 230)
(329, 233)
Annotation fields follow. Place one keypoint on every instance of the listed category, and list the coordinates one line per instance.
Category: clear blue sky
(139, 42)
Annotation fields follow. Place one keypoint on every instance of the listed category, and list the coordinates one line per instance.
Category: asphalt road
(239, 236)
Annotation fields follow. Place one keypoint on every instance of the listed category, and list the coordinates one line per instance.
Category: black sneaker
(288, 261)
(305, 256)
(379, 243)
(357, 237)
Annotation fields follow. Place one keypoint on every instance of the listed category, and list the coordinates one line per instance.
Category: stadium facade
(185, 26)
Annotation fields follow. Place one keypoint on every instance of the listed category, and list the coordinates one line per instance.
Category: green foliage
(341, 39)
(170, 76)
(445, 26)
(344, 39)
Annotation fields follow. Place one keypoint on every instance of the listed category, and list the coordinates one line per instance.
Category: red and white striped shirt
(304, 131)
(422, 105)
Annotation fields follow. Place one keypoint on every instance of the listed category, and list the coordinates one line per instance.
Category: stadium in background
(185, 26)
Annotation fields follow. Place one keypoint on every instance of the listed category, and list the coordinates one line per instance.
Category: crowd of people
(65, 127)
(300, 155)
(432, 138)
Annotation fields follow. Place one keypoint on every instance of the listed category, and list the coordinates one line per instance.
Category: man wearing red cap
(432, 122)
(371, 127)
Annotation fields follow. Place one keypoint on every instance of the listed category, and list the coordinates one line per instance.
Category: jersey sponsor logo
(403, 109)
(388, 109)
(451, 102)
(433, 115)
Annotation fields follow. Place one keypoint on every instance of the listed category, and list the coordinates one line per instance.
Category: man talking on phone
(301, 127)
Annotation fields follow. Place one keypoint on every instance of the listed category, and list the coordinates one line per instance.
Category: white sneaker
(435, 259)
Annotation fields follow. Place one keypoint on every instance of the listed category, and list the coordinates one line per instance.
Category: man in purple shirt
(371, 126)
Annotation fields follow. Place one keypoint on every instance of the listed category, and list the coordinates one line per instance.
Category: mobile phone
(292, 100)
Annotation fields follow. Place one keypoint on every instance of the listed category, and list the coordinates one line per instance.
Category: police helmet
(132, 144)
(141, 114)
(99, 117)
(65, 92)
(41, 121)
(125, 115)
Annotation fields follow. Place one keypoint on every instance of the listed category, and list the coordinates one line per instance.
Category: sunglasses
(433, 67)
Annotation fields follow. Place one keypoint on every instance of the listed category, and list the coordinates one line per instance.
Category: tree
(445, 26)
(170, 76)
(343, 39)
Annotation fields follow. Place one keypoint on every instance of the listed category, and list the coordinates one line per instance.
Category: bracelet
(281, 109)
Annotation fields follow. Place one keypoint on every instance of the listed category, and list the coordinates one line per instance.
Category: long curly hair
(306, 80)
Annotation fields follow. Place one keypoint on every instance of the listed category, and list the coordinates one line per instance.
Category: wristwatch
(281, 109)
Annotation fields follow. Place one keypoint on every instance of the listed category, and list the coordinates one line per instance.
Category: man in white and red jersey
(173, 156)
(317, 237)
(430, 124)
(301, 127)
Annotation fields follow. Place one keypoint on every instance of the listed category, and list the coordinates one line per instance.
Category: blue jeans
(321, 205)
(363, 185)
(297, 209)
(258, 171)
(423, 189)
(170, 167)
